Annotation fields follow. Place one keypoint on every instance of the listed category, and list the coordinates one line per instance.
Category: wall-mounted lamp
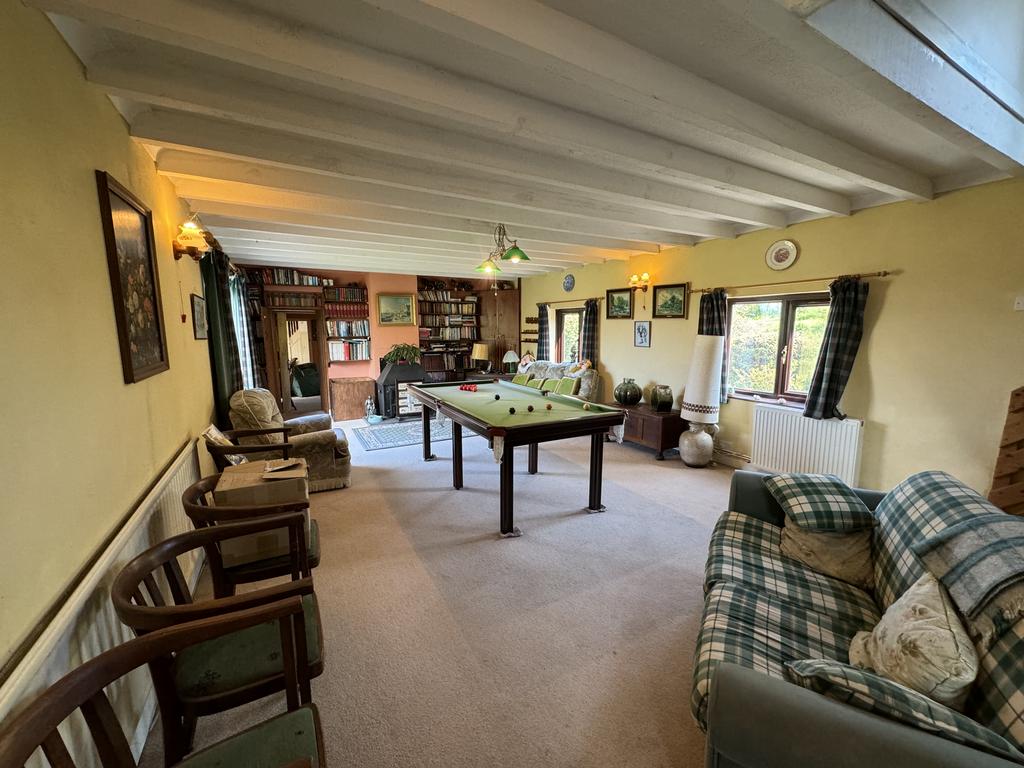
(191, 240)
(640, 283)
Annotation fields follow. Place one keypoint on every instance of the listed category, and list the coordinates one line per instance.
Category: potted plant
(403, 353)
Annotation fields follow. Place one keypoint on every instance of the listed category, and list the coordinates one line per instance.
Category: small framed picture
(200, 327)
(619, 304)
(671, 300)
(641, 333)
(396, 309)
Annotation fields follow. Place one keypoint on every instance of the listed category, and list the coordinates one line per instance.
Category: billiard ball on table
(512, 411)
(529, 408)
(497, 397)
(586, 406)
(548, 406)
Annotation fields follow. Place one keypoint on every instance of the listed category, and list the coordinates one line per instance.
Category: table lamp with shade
(701, 401)
(510, 359)
(481, 351)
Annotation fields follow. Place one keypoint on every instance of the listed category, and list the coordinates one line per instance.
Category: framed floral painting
(134, 280)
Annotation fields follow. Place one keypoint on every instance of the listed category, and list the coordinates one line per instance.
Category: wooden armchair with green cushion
(224, 672)
(199, 506)
(292, 738)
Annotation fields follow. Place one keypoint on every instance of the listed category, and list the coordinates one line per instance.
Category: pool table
(510, 415)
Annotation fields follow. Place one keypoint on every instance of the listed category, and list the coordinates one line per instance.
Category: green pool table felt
(482, 405)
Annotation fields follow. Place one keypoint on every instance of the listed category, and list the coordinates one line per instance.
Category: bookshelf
(347, 320)
(449, 324)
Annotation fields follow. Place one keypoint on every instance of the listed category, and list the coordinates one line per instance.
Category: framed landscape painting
(134, 280)
(619, 304)
(396, 309)
(671, 300)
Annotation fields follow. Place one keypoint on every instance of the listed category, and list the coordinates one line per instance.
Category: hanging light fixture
(191, 239)
(488, 266)
(510, 252)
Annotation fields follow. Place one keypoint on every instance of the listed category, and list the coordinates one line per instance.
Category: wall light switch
(1019, 304)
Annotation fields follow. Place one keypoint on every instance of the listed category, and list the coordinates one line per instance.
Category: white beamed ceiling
(393, 135)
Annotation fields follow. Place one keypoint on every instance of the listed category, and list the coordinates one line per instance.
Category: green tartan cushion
(919, 507)
(746, 550)
(761, 631)
(867, 691)
(997, 698)
(820, 503)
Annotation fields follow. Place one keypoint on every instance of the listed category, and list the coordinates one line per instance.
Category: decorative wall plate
(781, 254)
(568, 283)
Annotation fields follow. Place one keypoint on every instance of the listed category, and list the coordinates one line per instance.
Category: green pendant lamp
(515, 254)
(487, 266)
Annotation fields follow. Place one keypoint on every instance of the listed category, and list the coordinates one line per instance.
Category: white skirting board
(86, 625)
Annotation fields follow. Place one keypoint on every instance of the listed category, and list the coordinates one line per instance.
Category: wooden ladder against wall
(1008, 479)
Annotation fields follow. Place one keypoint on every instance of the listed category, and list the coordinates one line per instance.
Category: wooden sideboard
(659, 430)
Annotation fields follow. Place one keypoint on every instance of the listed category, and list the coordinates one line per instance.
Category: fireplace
(391, 396)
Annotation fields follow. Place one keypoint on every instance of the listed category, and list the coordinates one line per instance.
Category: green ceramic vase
(661, 397)
(628, 393)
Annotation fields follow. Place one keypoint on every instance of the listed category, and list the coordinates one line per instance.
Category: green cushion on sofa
(239, 572)
(567, 386)
(549, 385)
(279, 741)
(536, 383)
(820, 503)
(521, 378)
(241, 658)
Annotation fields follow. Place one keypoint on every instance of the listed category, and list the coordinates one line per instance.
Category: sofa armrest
(757, 720)
(312, 422)
(748, 495)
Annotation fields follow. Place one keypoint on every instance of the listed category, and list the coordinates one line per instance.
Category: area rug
(399, 433)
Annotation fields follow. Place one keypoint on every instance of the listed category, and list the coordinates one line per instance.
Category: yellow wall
(942, 348)
(80, 445)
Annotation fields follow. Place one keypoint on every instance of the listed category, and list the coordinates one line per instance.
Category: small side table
(659, 430)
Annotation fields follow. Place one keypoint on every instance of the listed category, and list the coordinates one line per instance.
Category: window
(774, 344)
(569, 322)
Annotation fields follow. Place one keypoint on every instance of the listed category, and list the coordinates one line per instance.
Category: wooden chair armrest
(241, 450)
(172, 615)
(231, 514)
(235, 433)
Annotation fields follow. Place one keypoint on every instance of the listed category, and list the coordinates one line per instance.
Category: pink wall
(381, 338)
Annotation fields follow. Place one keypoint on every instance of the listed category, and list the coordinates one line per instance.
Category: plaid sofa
(763, 610)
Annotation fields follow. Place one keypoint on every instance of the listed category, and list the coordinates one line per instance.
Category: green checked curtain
(543, 333)
(224, 359)
(838, 348)
(588, 333)
(713, 321)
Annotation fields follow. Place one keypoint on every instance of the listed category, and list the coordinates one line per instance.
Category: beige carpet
(447, 646)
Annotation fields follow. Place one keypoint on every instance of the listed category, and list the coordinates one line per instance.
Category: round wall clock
(781, 254)
(568, 283)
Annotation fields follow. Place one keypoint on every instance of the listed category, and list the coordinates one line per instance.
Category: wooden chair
(219, 453)
(151, 594)
(292, 738)
(203, 514)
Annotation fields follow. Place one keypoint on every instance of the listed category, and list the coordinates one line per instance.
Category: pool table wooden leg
(456, 455)
(427, 455)
(596, 469)
(508, 528)
(532, 464)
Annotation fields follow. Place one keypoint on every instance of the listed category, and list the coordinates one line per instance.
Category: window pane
(754, 345)
(808, 331)
(570, 337)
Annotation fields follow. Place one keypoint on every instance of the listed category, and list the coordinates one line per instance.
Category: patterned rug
(395, 434)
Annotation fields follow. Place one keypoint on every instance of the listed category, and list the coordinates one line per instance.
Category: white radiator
(786, 441)
(86, 624)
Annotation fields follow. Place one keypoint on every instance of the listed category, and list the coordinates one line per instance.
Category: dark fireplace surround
(387, 385)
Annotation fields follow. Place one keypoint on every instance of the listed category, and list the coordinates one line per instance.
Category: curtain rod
(883, 273)
(570, 301)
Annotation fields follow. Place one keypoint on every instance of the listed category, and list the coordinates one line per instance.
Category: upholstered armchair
(310, 437)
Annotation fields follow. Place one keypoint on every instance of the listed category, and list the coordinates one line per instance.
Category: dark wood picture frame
(609, 303)
(658, 313)
(200, 330)
(134, 280)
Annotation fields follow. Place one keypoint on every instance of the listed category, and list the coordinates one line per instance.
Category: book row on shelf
(299, 300)
(283, 276)
(349, 311)
(343, 351)
(441, 321)
(347, 293)
(445, 361)
(348, 327)
(443, 296)
(455, 333)
(448, 307)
